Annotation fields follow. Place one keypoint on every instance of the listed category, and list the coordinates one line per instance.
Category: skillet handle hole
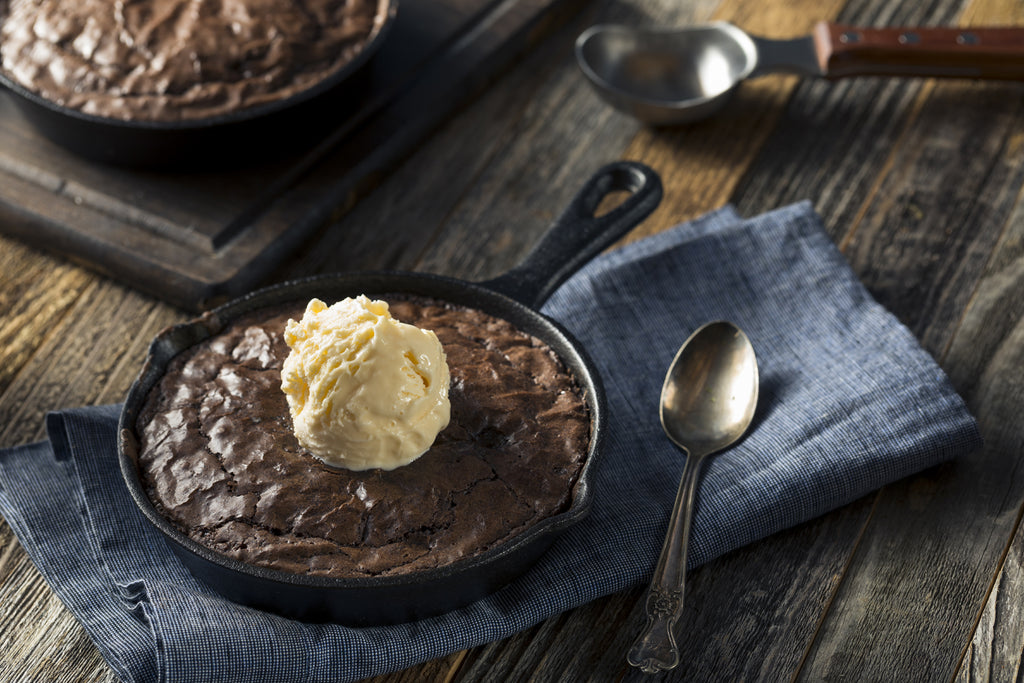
(611, 201)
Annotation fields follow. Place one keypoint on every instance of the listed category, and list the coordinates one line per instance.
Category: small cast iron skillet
(257, 132)
(573, 240)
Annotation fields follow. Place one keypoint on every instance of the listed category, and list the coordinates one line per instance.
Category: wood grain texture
(90, 357)
(40, 640)
(920, 581)
(987, 355)
(79, 362)
(939, 209)
(705, 162)
(996, 652)
(739, 603)
(31, 303)
(838, 194)
(194, 237)
(545, 135)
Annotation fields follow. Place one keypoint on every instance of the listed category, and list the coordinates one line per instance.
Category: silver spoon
(679, 75)
(707, 403)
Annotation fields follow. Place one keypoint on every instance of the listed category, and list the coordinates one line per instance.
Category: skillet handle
(578, 235)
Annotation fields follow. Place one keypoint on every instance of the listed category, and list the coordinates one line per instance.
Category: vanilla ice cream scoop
(364, 389)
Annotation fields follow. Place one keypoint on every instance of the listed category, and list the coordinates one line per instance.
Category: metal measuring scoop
(668, 76)
(707, 403)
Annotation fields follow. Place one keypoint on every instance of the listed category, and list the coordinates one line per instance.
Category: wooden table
(918, 182)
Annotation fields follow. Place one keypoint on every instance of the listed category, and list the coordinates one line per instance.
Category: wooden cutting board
(196, 237)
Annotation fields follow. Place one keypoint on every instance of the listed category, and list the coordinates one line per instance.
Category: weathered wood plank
(948, 194)
(395, 223)
(606, 659)
(995, 312)
(835, 136)
(563, 134)
(35, 293)
(91, 357)
(436, 670)
(523, 116)
(175, 234)
(987, 357)
(981, 335)
(724, 614)
(881, 119)
(705, 161)
(920, 242)
(88, 353)
(996, 652)
(40, 640)
(846, 520)
(737, 604)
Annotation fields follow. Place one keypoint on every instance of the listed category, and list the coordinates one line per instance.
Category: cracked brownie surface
(168, 60)
(218, 457)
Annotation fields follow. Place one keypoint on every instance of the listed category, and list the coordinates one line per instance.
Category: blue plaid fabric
(849, 402)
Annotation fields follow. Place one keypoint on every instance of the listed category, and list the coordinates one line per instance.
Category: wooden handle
(988, 53)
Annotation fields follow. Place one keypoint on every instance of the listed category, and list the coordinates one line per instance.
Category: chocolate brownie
(165, 60)
(218, 457)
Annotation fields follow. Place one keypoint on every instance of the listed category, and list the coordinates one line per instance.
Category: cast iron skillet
(574, 239)
(255, 133)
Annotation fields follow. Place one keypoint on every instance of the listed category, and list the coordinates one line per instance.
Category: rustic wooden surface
(919, 182)
(195, 235)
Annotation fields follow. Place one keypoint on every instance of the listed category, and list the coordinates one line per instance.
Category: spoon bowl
(710, 390)
(707, 404)
(664, 76)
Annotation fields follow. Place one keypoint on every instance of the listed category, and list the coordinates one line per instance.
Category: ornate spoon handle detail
(655, 649)
(707, 403)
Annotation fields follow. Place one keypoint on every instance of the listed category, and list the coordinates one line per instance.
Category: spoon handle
(655, 649)
(982, 52)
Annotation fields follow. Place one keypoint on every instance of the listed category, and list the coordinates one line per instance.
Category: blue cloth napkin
(849, 402)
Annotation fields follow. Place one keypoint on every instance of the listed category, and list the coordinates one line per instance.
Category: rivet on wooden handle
(945, 52)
